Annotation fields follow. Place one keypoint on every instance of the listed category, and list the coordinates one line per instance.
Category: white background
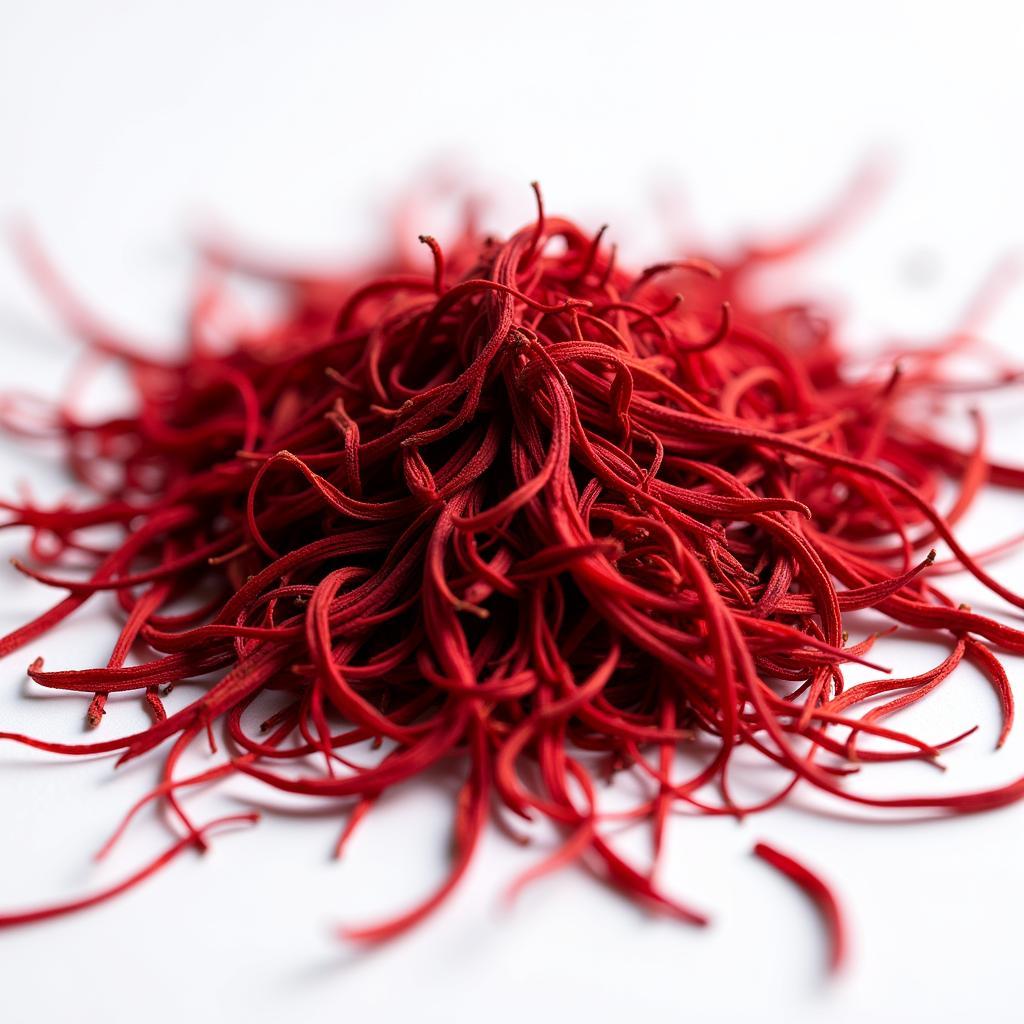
(295, 123)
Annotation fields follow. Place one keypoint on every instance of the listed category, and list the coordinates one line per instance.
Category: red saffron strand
(823, 897)
(8, 920)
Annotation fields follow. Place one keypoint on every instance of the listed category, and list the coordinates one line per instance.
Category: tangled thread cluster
(531, 512)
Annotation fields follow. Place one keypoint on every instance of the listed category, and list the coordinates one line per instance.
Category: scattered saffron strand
(524, 513)
(8, 920)
(823, 897)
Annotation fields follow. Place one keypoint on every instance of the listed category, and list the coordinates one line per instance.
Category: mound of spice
(530, 513)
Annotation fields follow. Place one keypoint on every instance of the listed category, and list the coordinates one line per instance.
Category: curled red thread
(822, 895)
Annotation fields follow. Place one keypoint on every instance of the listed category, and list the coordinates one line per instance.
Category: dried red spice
(527, 511)
(818, 891)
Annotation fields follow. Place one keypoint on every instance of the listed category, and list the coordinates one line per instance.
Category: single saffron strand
(8, 920)
(819, 892)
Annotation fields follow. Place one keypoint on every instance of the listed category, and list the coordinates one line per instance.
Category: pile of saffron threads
(525, 512)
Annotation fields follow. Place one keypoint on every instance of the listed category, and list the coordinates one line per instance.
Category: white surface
(295, 122)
